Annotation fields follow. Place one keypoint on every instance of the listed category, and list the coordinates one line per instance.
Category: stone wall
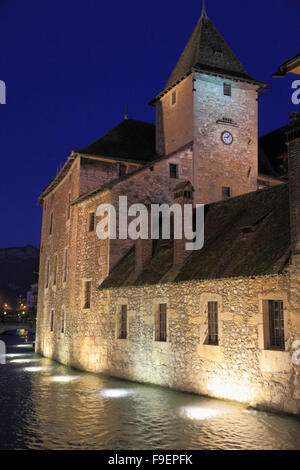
(239, 368)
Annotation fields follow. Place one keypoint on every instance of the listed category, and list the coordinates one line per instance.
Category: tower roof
(207, 50)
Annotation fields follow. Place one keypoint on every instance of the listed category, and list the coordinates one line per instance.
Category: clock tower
(209, 104)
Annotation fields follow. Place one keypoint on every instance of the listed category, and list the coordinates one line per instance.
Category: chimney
(183, 194)
(293, 145)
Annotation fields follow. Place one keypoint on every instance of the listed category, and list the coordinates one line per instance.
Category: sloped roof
(207, 49)
(247, 235)
(129, 140)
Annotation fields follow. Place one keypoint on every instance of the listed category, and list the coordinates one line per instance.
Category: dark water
(44, 405)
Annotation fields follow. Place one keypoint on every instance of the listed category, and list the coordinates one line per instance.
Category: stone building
(221, 321)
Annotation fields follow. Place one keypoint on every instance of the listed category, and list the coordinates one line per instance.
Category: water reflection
(48, 406)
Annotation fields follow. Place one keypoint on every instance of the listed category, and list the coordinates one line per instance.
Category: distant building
(221, 321)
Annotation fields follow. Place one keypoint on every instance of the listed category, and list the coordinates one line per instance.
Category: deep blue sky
(70, 67)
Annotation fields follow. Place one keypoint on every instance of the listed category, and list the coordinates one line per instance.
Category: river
(45, 405)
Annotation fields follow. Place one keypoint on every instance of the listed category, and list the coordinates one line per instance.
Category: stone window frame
(263, 327)
(121, 301)
(222, 183)
(83, 295)
(177, 162)
(204, 299)
(155, 311)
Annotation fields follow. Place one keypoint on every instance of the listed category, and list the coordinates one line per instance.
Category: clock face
(227, 138)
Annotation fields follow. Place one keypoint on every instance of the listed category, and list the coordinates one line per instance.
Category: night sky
(71, 66)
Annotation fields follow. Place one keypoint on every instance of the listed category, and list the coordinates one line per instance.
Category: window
(173, 98)
(122, 170)
(55, 270)
(161, 323)
(227, 89)
(212, 337)
(69, 207)
(87, 294)
(52, 321)
(65, 266)
(47, 273)
(226, 192)
(92, 222)
(51, 224)
(123, 322)
(63, 322)
(173, 170)
(276, 325)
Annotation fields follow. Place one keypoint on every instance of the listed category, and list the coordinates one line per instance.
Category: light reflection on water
(59, 408)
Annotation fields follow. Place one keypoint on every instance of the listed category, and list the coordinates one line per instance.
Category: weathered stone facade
(112, 328)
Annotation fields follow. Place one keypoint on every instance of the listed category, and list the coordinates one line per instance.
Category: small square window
(227, 89)
(226, 192)
(173, 171)
(173, 98)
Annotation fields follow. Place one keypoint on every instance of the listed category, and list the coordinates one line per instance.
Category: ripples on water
(44, 405)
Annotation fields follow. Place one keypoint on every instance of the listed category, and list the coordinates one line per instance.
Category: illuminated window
(173, 98)
(173, 170)
(274, 325)
(212, 336)
(161, 323)
(52, 321)
(122, 170)
(87, 294)
(123, 323)
(92, 222)
(226, 192)
(227, 89)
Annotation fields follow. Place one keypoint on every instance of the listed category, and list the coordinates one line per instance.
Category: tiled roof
(130, 140)
(207, 49)
(248, 235)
